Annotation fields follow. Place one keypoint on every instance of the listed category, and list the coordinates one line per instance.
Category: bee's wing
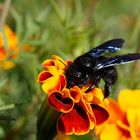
(112, 46)
(117, 60)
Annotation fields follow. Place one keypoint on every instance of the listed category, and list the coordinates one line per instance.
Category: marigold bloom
(80, 111)
(124, 120)
(8, 47)
(8, 42)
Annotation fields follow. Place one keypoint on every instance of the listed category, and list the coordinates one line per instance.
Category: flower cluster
(8, 47)
(80, 111)
(124, 120)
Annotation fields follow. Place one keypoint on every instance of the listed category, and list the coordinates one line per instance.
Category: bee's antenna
(63, 63)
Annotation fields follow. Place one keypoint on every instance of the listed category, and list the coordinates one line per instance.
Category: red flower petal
(57, 101)
(75, 94)
(100, 113)
(62, 81)
(87, 107)
(48, 62)
(69, 62)
(76, 121)
(44, 75)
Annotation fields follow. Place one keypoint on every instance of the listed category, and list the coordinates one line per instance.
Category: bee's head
(75, 76)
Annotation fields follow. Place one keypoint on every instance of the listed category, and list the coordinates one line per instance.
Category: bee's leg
(90, 88)
(109, 75)
(106, 90)
(94, 83)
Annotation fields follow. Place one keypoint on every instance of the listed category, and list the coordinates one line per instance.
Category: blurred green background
(67, 28)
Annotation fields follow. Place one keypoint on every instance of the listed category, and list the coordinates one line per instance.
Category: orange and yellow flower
(124, 120)
(80, 111)
(8, 42)
(8, 47)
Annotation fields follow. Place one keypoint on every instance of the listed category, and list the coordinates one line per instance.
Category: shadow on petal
(101, 114)
(57, 101)
(62, 80)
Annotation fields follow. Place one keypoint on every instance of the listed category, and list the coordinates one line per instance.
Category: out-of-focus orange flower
(124, 120)
(8, 42)
(80, 111)
(8, 47)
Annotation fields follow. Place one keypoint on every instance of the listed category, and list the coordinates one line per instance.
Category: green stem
(46, 123)
(5, 12)
(43, 111)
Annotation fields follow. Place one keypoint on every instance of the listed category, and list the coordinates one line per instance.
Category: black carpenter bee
(91, 67)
